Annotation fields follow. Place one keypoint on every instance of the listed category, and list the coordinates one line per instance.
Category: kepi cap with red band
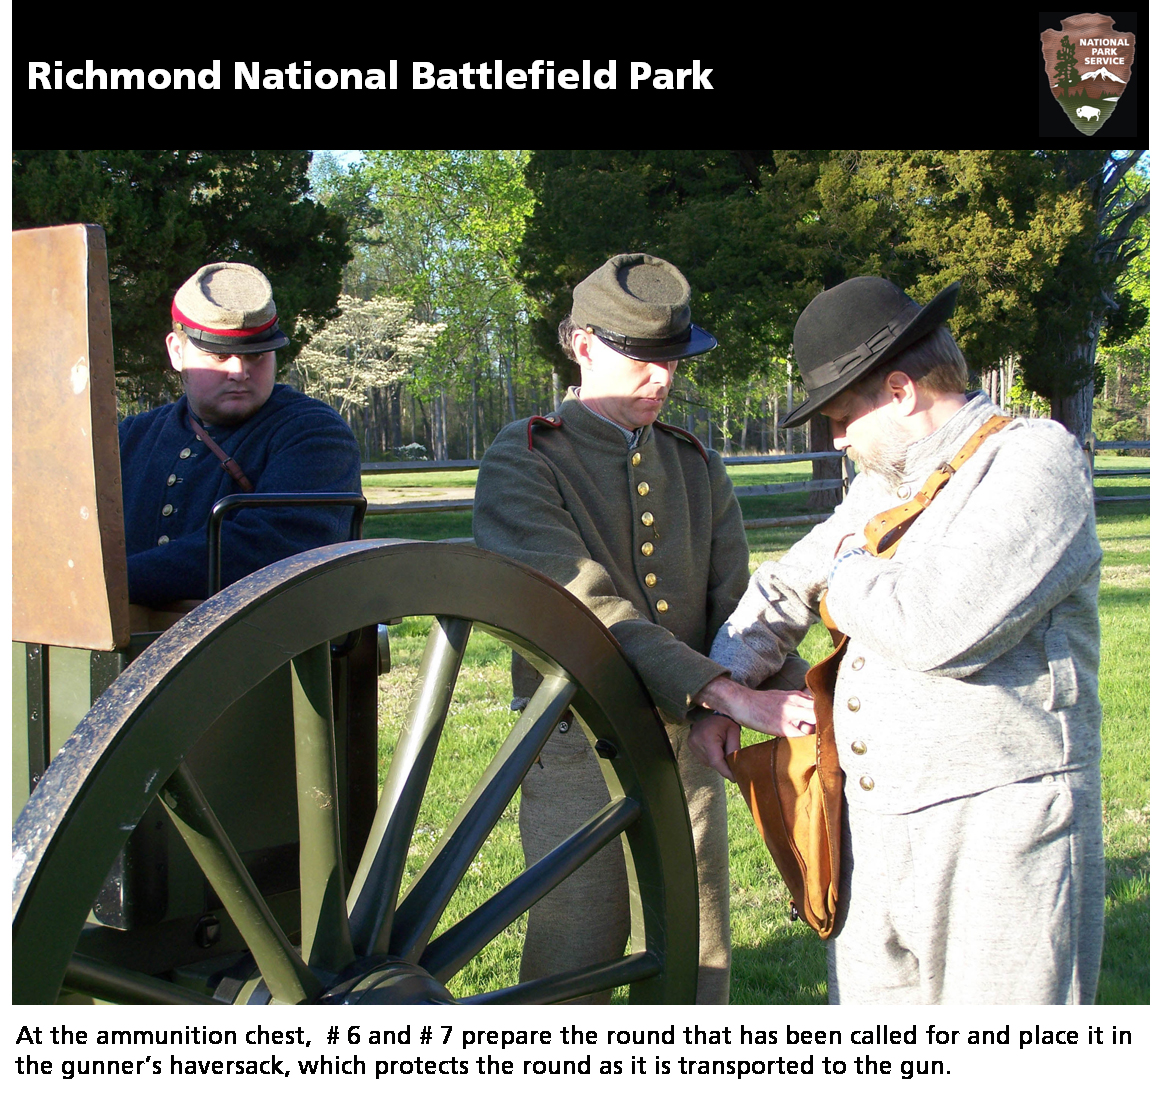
(228, 308)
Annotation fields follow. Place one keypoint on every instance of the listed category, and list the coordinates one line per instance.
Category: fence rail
(417, 507)
(1096, 446)
(421, 506)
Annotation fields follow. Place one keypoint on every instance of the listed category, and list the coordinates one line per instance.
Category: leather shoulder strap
(885, 531)
(226, 462)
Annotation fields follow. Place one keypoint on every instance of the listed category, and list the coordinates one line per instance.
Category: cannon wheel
(364, 942)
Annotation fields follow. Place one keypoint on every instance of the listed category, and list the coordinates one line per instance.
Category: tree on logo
(1066, 73)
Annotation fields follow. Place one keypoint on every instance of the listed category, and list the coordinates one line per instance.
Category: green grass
(1124, 626)
(774, 960)
(478, 722)
(463, 479)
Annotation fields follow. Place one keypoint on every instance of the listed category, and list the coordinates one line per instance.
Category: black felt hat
(847, 331)
(638, 305)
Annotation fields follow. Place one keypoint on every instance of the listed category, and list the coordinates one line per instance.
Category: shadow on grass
(1124, 967)
(420, 527)
(789, 968)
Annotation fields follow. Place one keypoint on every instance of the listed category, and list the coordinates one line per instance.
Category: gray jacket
(975, 649)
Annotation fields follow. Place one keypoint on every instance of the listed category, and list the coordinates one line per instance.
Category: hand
(778, 712)
(712, 740)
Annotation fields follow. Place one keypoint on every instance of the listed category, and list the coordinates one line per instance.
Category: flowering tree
(364, 354)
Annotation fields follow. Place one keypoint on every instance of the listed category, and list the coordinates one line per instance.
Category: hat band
(217, 336)
(880, 340)
(656, 344)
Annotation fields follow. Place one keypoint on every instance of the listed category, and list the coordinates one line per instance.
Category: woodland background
(422, 288)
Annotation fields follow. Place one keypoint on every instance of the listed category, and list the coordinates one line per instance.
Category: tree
(370, 348)
(1087, 300)
(167, 213)
(441, 229)
(700, 209)
(1038, 240)
(1066, 73)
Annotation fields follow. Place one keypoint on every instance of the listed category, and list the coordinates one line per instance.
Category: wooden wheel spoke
(283, 970)
(433, 888)
(372, 899)
(572, 985)
(449, 952)
(325, 938)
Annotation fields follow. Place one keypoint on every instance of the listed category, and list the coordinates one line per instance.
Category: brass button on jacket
(167, 510)
(647, 518)
(857, 663)
(162, 540)
(661, 605)
(650, 580)
(866, 783)
(859, 747)
(853, 704)
(642, 487)
(636, 458)
(647, 549)
(171, 479)
(185, 454)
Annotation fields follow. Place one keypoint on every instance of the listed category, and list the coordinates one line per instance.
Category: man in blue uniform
(234, 429)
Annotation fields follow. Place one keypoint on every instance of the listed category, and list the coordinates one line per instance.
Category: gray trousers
(586, 919)
(997, 898)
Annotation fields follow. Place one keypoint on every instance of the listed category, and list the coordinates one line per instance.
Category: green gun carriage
(198, 813)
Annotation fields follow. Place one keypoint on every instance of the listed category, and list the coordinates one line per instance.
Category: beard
(887, 456)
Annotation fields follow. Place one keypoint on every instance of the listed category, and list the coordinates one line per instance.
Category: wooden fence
(1095, 446)
(411, 507)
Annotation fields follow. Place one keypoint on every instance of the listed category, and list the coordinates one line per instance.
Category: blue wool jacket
(170, 479)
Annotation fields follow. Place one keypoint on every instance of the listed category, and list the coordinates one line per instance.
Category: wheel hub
(390, 982)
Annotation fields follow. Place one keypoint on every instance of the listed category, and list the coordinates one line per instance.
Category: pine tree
(1066, 72)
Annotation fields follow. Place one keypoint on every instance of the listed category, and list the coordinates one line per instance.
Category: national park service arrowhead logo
(1089, 65)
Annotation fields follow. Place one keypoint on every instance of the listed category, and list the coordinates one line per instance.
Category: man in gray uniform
(966, 710)
(639, 521)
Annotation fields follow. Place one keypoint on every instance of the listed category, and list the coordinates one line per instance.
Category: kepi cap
(638, 305)
(228, 308)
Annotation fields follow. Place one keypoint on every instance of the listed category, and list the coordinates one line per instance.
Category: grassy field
(774, 960)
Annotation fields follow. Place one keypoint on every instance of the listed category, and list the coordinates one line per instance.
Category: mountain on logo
(1102, 73)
